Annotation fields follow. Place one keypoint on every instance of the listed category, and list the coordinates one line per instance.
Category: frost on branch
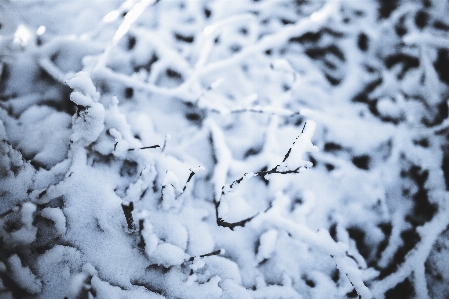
(23, 276)
(292, 163)
(89, 118)
(17, 227)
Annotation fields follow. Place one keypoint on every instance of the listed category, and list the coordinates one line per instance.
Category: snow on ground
(224, 149)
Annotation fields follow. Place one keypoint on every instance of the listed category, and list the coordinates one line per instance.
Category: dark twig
(9, 211)
(266, 172)
(128, 208)
(42, 194)
(232, 225)
(145, 147)
(216, 252)
(192, 173)
(141, 243)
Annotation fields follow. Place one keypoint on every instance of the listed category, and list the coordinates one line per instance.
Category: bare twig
(145, 147)
(246, 176)
(128, 208)
(216, 252)
(192, 173)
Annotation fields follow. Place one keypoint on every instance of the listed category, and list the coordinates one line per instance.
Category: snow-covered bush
(224, 149)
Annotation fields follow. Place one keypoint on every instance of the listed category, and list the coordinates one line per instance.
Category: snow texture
(209, 149)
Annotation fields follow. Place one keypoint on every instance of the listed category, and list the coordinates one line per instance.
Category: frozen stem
(306, 134)
(128, 208)
(145, 147)
(216, 252)
(192, 173)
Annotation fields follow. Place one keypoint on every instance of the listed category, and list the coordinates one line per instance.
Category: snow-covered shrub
(224, 149)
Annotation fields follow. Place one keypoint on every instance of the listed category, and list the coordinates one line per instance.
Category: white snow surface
(208, 149)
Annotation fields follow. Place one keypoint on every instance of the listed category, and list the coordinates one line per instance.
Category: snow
(83, 83)
(103, 289)
(47, 147)
(167, 255)
(56, 267)
(233, 290)
(57, 216)
(170, 190)
(23, 275)
(217, 266)
(90, 122)
(267, 245)
(26, 233)
(150, 239)
(301, 145)
(16, 176)
(196, 149)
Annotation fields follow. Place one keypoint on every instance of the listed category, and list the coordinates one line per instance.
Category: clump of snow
(16, 176)
(46, 147)
(23, 276)
(58, 269)
(83, 83)
(267, 245)
(170, 193)
(150, 239)
(24, 232)
(57, 216)
(167, 255)
(88, 122)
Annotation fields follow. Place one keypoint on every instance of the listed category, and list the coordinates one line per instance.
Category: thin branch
(52, 70)
(128, 208)
(429, 232)
(231, 226)
(246, 176)
(192, 173)
(129, 19)
(216, 252)
(264, 110)
(145, 147)
(167, 137)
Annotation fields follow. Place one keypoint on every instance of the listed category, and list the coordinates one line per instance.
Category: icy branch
(292, 163)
